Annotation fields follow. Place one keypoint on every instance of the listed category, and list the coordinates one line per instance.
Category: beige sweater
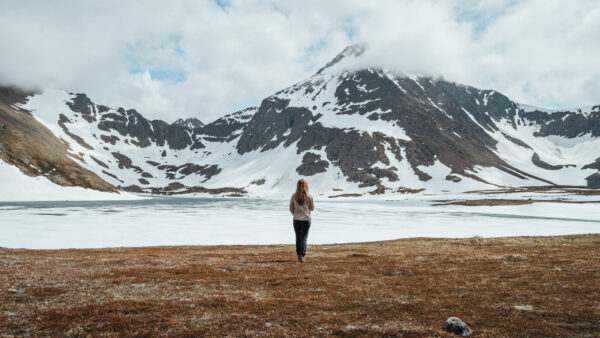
(302, 212)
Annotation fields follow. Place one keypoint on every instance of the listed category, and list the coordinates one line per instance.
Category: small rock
(14, 291)
(457, 326)
(9, 314)
(523, 308)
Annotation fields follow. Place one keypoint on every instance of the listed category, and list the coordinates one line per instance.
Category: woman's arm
(311, 204)
(292, 204)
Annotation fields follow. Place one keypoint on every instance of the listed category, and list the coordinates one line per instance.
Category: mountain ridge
(359, 132)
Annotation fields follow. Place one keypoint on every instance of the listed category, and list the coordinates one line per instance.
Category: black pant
(301, 230)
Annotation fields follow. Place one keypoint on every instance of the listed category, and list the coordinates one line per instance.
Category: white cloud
(194, 58)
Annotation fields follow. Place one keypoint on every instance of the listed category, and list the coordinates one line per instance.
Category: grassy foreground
(403, 287)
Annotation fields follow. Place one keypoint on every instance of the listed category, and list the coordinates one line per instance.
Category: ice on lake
(203, 221)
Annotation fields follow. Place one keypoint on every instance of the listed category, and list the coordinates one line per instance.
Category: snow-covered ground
(197, 221)
(16, 186)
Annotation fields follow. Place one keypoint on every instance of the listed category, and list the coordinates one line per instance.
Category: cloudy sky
(204, 59)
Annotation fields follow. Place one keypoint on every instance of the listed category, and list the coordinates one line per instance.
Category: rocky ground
(525, 286)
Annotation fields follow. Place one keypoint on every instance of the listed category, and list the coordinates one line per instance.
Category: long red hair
(301, 194)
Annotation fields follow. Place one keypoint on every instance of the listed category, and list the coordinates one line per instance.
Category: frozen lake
(203, 221)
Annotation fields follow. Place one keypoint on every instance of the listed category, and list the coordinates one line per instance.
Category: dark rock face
(353, 152)
(538, 162)
(189, 124)
(125, 162)
(83, 105)
(593, 165)
(593, 180)
(133, 124)
(517, 141)
(453, 178)
(102, 164)
(152, 163)
(178, 136)
(258, 182)
(61, 122)
(569, 124)
(111, 175)
(312, 164)
(147, 175)
(457, 326)
(273, 124)
(133, 188)
(207, 171)
(113, 121)
(228, 127)
(177, 188)
(112, 139)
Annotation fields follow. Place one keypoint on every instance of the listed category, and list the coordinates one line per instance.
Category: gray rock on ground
(457, 326)
(523, 308)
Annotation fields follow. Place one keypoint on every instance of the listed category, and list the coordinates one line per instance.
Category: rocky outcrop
(227, 128)
(187, 169)
(83, 105)
(593, 180)
(274, 123)
(189, 124)
(125, 162)
(62, 119)
(130, 123)
(567, 123)
(538, 162)
(312, 164)
(457, 326)
(593, 165)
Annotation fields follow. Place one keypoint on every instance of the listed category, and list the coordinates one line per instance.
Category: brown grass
(395, 288)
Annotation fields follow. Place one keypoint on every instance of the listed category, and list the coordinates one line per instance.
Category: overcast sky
(204, 59)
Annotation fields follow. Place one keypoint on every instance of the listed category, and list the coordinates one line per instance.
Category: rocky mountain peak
(189, 123)
(353, 51)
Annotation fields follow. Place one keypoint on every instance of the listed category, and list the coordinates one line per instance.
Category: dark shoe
(300, 258)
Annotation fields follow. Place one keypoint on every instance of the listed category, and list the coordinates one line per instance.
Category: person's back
(302, 211)
(301, 204)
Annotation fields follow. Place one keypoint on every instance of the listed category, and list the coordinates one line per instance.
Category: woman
(301, 204)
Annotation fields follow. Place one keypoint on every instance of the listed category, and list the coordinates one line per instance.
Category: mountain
(349, 130)
(191, 123)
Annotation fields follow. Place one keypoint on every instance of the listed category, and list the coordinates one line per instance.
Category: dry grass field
(393, 288)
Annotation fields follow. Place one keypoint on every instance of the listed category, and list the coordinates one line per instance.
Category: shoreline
(275, 245)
